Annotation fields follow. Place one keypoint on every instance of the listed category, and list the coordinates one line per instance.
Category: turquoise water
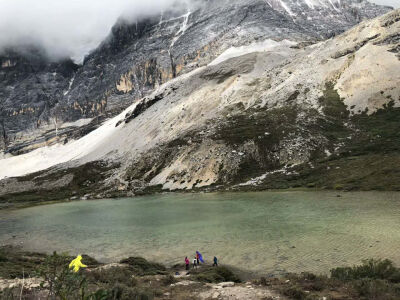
(269, 232)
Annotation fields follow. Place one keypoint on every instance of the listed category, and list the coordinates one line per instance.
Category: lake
(265, 232)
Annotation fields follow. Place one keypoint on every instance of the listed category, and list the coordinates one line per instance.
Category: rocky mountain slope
(267, 115)
(40, 101)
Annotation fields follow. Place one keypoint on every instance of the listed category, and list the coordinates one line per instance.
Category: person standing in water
(215, 264)
(187, 263)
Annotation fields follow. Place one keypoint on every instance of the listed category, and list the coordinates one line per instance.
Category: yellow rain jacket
(77, 264)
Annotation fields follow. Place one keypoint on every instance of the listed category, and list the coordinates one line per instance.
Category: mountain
(44, 102)
(272, 114)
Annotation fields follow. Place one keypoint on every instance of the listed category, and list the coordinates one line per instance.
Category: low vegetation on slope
(368, 151)
(136, 278)
(373, 279)
(55, 185)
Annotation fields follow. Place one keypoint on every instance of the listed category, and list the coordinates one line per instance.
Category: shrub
(15, 263)
(3, 257)
(122, 292)
(62, 282)
(373, 289)
(220, 274)
(313, 282)
(168, 280)
(338, 187)
(112, 276)
(263, 281)
(143, 267)
(8, 294)
(308, 276)
(89, 261)
(294, 292)
(373, 269)
(100, 295)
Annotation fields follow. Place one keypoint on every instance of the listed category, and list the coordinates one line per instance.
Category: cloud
(69, 28)
(393, 3)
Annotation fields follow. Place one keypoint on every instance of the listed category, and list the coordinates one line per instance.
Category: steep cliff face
(267, 115)
(37, 97)
(29, 88)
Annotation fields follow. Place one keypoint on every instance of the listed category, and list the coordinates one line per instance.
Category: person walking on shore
(187, 263)
(195, 263)
(199, 258)
(215, 264)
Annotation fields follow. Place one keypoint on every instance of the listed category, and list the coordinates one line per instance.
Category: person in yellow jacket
(77, 264)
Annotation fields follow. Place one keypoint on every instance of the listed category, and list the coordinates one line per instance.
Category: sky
(393, 3)
(71, 28)
(68, 28)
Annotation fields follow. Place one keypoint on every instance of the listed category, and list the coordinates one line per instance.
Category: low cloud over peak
(68, 28)
(72, 28)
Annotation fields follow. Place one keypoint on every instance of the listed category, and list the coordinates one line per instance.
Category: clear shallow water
(264, 232)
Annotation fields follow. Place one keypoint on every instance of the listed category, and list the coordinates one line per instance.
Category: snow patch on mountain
(182, 29)
(267, 45)
(47, 157)
(288, 4)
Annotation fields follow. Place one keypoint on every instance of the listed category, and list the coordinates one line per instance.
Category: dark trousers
(215, 264)
(187, 266)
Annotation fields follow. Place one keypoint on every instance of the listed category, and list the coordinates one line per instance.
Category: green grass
(143, 267)
(214, 274)
(141, 279)
(266, 129)
(15, 263)
(344, 173)
(373, 279)
(369, 269)
(370, 151)
(85, 179)
(120, 282)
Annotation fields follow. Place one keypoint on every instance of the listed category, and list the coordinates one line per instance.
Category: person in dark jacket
(215, 262)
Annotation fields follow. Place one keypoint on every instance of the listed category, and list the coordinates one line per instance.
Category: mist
(72, 28)
(69, 28)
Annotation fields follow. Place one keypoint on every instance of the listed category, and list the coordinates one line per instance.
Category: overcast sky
(68, 28)
(71, 28)
(394, 3)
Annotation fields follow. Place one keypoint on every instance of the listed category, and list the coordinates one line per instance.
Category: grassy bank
(137, 278)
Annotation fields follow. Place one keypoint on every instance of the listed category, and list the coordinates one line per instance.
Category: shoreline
(16, 206)
(135, 276)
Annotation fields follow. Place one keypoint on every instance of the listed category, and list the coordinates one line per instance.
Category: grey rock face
(136, 58)
(29, 88)
(321, 116)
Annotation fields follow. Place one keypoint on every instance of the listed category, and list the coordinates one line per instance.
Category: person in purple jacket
(199, 257)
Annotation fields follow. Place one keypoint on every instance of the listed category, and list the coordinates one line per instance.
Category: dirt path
(232, 291)
(227, 290)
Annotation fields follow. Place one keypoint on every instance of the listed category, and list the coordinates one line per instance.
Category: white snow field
(46, 157)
